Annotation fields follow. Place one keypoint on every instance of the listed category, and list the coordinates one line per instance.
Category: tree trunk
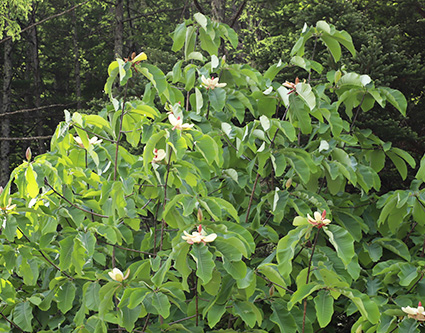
(76, 59)
(5, 122)
(217, 9)
(35, 66)
(119, 28)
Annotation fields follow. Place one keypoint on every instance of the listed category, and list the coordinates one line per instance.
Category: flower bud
(1, 189)
(288, 183)
(200, 215)
(28, 154)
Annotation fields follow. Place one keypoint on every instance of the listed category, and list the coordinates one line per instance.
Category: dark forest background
(59, 60)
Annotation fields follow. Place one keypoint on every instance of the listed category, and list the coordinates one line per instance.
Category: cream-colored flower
(292, 86)
(212, 83)
(319, 219)
(178, 122)
(92, 141)
(159, 155)
(117, 275)
(199, 236)
(8, 207)
(415, 313)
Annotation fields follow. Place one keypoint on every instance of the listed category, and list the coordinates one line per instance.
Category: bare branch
(72, 204)
(238, 13)
(153, 13)
(35, 109)
(27, 138)
(198, 6)
(46, 19)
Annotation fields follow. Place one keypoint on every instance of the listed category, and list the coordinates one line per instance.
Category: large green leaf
(324, 304)
(342, 241)
(161, 304)
(248, 312)
(22, 316)
(286, 249)
(204, 262)
(65, 296)
(282, 317)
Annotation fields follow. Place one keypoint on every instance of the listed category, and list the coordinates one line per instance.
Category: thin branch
(251, 197)
(119, 132)
(153, 13)
(276, 284)
(308, 275)
(46, 19)
(165, 200)
(230, 143)
(198, 6)
(238, 13)
(45, 257)
(183, 319)
(9, 321)
(128, 249)
(36, 109)
(99, 136)
(357, 112)
(27, 138)
(72, 204)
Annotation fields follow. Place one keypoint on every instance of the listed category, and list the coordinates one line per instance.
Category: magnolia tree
(250, 205)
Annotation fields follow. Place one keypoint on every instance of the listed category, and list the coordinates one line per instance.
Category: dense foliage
(99, 232)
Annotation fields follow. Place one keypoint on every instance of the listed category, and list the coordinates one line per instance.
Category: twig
(128, 249)
(27, 138)
(183, 319)
(45, 257)
(165, 201)
(36, 109)
(276, 284)
(198, 6)
(72, 204)
(238, 13)
(251, 197)
(46, 19)
(99, 136)
(308, 275)
(154, 13)
(9, 321)
(119, 133)
(357, 112)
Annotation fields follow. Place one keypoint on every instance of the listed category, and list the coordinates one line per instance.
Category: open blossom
(415, 313)
(212, 83)
(319, 219)
(178, 122)
(199, 236)
(8, 207)
(92, 141)
(117, 275)
(292, 86)
(159, 155)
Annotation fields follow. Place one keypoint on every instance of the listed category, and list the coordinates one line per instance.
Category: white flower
(9, 206)
(199, 236)
(92, 141)
(212, 83)
(159, 155)
(415, 313)
(117, 275)
(319, 219)
(178, 122)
